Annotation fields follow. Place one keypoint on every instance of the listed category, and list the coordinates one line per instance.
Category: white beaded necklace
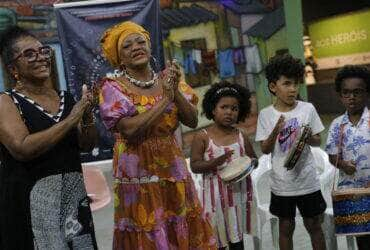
(138, 83)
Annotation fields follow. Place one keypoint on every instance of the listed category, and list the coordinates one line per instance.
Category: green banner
(341, 35)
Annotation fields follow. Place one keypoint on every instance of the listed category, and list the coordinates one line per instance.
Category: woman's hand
(87, 95)
(171, 79)
(88, 134)
(81, 106)
(175, 74)
(167, 85)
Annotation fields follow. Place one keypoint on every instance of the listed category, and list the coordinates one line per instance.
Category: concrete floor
(103, 220)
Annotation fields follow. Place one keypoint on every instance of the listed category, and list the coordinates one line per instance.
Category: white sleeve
(263, 130)
(315, 122)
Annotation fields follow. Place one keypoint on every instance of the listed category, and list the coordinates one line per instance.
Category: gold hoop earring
(18, 83)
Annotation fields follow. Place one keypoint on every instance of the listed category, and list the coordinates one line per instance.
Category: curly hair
(352, 71)
(284, 65)
(7, 40)
(222, 89)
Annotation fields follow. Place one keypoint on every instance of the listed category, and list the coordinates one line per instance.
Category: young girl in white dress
(226, 205)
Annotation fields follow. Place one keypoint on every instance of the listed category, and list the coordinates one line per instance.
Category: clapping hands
(83, 107)
(171, 79)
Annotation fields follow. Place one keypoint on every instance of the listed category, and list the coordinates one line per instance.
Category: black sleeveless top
(17, 178)
(62, 158)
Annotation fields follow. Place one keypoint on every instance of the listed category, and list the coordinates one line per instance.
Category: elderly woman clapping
(43, 201)
(156, 205)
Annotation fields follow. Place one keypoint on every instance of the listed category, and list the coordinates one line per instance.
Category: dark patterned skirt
(56, 215)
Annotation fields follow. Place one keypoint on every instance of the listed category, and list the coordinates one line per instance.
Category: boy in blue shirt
(352, 157)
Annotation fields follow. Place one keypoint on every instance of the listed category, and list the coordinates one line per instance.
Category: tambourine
(237, 169)
(296, 151)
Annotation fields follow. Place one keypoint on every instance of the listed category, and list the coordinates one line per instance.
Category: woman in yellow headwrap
(156, 205)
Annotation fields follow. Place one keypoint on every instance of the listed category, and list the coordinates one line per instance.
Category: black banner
(80, 29)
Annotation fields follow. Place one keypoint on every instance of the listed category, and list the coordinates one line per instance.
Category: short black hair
(352, 71)
(222, 89)
(284, 65)
(7, 40)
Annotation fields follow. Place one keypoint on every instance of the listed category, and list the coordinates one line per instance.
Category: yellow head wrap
(113, 38)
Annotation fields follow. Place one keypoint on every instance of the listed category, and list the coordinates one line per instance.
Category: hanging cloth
(189, 65)
(227, 67)
(238, 55)
(197, 55)
(178, 54)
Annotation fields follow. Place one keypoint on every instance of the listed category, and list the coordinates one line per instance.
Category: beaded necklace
(139, 83)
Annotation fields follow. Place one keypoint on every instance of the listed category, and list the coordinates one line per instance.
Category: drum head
(243, 175)
(237, 169)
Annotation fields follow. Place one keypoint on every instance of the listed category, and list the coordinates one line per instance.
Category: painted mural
(208, 38)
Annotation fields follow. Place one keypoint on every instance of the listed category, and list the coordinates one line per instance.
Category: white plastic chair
(261, 197)
(96, 187)
(326, 180)
(326, 173)
(197, 178)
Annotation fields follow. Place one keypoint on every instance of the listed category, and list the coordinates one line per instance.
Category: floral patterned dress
(156, 205)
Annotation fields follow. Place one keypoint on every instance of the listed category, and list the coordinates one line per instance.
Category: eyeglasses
(356, 93)
(31, 55)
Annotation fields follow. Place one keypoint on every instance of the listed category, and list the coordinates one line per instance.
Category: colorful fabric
(238, 55)
(113, 38)
(178, 54)
(227, 67)
(155, 202)
(189, 65)
(228, 206)
(197, 55)
(355, 146)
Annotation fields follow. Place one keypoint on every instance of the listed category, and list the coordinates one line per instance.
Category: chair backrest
(325, 171)
(319, 157)
(261, 180)
(197, 178)
(96, 187)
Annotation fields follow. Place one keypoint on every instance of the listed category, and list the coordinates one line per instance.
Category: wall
(202, 30)
(267, 49)
(38, 17)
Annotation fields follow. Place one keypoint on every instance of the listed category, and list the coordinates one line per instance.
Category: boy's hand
(279, 125)
(349, 167)
(267, 145)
